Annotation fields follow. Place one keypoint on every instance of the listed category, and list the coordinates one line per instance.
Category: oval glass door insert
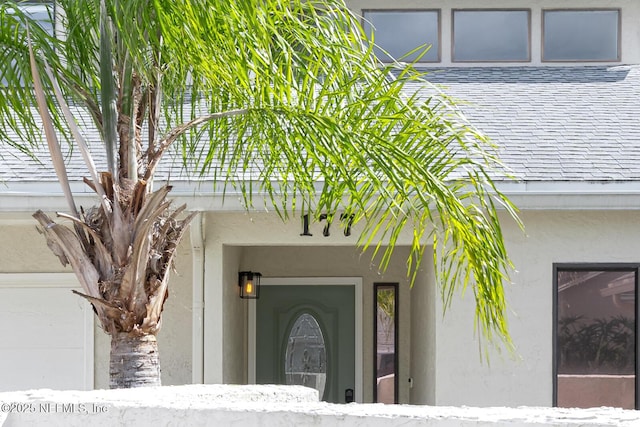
(306, 356)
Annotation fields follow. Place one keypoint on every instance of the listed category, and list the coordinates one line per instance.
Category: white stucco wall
(441, 354)
(24, 250)
(218, 405)
(234, 342)
(630, 35)
(526, 378)
(424, 300)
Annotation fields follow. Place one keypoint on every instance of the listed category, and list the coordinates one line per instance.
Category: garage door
(46, 333)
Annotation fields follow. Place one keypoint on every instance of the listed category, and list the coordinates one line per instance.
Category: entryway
(308, 331)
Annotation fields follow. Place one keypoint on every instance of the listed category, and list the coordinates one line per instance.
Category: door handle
(348, 395)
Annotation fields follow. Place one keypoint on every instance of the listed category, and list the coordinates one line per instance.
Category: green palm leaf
(278, 97)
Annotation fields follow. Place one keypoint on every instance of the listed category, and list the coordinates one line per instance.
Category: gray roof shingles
(554, 123)
(551, 123)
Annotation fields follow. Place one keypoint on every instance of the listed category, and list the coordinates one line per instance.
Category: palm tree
(282, 96)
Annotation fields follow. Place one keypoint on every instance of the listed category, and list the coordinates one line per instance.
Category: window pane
(581, 35)
(595, 345)
(386, 390)
(306, 356)
(41, 12)
(398, 33)
(490, 35)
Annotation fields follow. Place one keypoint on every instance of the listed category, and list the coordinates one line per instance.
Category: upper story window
(485, 35)
(581, 35)
(398, 32)
(41, 11)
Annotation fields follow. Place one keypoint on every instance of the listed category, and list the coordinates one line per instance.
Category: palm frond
(280, 97)
(52, 139)
(108, 93)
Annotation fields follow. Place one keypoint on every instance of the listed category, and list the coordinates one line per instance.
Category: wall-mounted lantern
(249, 283)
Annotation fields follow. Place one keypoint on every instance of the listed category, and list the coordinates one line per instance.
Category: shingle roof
(554, 123)
(16, 166)
(551, 123)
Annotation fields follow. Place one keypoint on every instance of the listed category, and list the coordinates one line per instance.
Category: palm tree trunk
(134, 361)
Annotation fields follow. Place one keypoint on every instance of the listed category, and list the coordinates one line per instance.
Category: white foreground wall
(216, 405)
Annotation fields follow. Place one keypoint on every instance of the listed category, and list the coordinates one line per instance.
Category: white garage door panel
(54, 368)
(46, 333)
(45, 317)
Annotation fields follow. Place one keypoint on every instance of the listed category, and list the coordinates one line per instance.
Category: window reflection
(41, 12)
(595, 338)
(399, 32)
(491, 35)
(581, 35)
(386, 339)
(306, 355)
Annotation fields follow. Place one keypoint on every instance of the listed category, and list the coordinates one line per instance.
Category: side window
(385, 343)
(581, 35)
(485, 35)
(398, 32)
(595, 336)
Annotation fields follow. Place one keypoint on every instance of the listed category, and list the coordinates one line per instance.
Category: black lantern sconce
(249, 283)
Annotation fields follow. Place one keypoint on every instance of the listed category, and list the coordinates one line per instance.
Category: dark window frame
(453, 41)
(557, 267)
(409, 10)
(588, 9)
(396, 364)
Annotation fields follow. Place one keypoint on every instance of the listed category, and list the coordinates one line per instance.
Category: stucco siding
(24, 250)
(424, 299)
(235, 320)
(526, 377)
(442, 354)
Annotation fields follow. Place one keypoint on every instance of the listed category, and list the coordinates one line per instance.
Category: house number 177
(347, 219)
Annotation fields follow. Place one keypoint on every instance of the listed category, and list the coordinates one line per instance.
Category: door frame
(356, 282)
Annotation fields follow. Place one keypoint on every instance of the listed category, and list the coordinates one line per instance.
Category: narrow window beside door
(385, 339)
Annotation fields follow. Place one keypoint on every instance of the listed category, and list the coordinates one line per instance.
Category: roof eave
(201, 196)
